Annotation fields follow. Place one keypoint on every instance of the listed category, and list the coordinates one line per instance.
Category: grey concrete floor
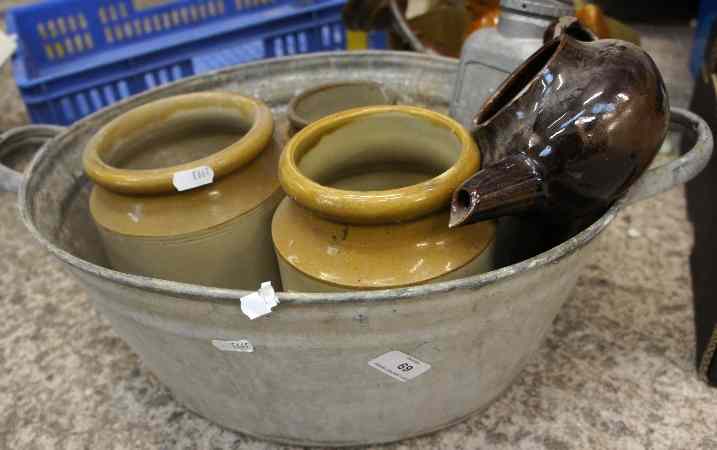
(617, 370)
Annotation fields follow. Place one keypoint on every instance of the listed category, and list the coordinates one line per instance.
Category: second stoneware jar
(185, 188)
(369, 191)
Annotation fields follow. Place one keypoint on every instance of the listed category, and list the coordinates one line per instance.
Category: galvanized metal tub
(308, 381)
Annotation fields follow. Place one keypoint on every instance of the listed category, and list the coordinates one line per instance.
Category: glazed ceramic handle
(681, 170)
(32, 138)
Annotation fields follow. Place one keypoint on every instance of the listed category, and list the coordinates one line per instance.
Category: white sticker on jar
(193, 178)
(241, 345)
(399, 365)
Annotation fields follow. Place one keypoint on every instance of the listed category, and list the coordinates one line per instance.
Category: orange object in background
(592, 17)
(445, 26)
(484, 12)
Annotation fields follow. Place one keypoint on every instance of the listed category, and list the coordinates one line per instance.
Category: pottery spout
(511, 186)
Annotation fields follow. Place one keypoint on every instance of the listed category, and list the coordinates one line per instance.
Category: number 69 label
(399, 365)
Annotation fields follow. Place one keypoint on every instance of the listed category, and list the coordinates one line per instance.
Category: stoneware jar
(151, 217)
(369, 191)
(321, 101)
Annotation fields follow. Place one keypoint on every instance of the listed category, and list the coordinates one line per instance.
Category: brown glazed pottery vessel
(330, 98)
(368, 200)
(216, 234)
(567, 133)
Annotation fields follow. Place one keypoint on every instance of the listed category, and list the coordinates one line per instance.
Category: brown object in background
(442, 29)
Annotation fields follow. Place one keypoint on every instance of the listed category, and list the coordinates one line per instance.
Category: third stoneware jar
(323, 100)
(369, 190)
(185, 188)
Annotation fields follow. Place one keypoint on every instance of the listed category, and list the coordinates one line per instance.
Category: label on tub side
(399, 365)
(193, 178)
(241, 345)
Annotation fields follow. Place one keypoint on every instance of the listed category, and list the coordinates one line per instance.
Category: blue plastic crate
(706, 17)
(75, 57)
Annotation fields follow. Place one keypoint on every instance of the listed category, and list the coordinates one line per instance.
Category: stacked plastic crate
(75, 57)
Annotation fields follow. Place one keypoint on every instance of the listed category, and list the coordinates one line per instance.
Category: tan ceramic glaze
(323, 100)
(369, 192)
(214, 235)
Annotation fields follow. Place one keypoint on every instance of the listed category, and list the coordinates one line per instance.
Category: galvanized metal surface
(545, 8)
(487, 58)
(308, 380)
(529, 18)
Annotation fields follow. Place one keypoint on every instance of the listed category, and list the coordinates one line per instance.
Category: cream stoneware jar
(154, 223)
(369, 191)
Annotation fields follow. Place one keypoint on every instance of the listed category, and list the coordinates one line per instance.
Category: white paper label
(193, 178)
(7, 47)
(242, 345)
(399, 365)
(259, 303)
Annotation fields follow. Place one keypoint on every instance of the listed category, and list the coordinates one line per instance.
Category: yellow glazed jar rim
(381, 206)
(143, 118)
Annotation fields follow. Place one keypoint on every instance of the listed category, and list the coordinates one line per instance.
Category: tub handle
(31, 137)
(680, 170)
